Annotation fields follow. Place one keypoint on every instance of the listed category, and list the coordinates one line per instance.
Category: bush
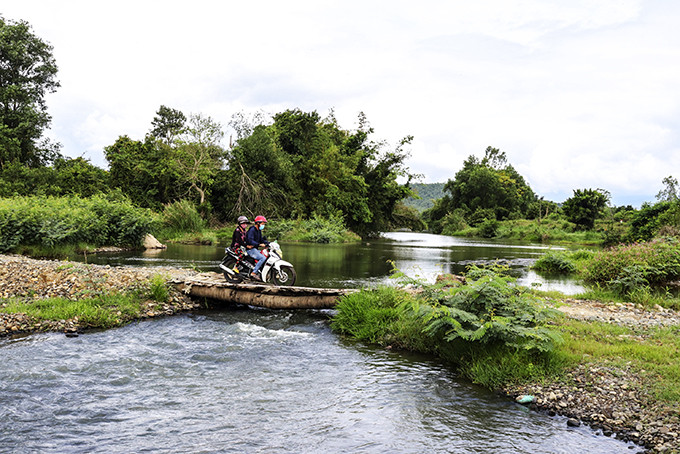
(56, 221)
(555, 262)
(489, 311)
(315, 230)
(489, 228)
(655, 263)
(181, 217)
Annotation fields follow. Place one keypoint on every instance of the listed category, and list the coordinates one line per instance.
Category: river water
(246, 380)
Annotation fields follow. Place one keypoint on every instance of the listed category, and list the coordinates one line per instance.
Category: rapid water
(239, 380)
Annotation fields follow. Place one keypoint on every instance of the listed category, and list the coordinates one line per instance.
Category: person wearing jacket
(238, 239)
(254, 241)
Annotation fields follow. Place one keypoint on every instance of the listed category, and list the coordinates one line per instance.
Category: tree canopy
(585, 206)
(302, 165)
(27, 73)
(486, 189)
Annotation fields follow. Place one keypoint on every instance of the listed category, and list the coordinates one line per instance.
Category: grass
(655, 355)
(102, 311)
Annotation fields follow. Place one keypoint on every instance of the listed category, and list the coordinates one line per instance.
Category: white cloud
(578, 94)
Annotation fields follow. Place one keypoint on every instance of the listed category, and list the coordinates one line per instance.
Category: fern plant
(489, 310)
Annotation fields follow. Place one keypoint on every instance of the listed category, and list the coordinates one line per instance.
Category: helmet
(260, 219)
(243, 220)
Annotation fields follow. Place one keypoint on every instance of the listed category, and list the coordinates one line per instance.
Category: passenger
(254, 241)
(238, 239)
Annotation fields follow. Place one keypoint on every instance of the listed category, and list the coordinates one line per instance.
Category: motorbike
(237, 266)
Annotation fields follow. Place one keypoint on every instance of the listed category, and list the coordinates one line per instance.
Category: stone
(573, 422)
(150, 242)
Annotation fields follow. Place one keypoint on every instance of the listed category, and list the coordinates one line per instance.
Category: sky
(577, 93)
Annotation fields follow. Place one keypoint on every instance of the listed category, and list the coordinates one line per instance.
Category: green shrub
(489, 311)
(181, 217)
(489, 228)
(655, 263)
(555, 262)
(314, 230)
(50, 222)
(158, 289)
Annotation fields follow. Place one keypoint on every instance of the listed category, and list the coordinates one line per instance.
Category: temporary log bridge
(214, 286)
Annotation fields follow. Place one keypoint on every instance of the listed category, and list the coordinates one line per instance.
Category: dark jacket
(254, 237)
(238, 238)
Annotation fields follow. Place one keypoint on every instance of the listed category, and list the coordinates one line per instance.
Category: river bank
(610, 398)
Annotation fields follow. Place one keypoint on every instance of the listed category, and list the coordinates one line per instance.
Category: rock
(150, 242)
(450, 280)
(573, 422)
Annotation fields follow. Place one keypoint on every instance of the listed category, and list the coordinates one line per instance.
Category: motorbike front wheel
(230, 262)
(286, 276)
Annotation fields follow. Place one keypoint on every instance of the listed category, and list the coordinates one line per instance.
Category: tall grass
(181, 222)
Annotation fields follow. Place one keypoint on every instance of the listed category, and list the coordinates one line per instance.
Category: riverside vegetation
(620, 375)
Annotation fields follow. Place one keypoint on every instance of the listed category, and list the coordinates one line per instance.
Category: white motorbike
(237, 266)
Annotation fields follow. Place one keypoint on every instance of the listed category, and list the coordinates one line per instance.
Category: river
(246, 380)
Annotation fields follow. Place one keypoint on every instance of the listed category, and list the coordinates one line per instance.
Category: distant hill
(428, 192)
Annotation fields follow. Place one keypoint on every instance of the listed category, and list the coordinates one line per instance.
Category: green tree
(143, 171)
(302, 166)
(167, 124)
(27, 73)
(197, 155)
(585, 206)
(486, 189)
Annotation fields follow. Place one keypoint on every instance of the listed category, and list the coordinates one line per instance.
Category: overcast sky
(578, 94)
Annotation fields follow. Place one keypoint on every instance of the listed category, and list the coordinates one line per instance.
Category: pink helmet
(260, 219)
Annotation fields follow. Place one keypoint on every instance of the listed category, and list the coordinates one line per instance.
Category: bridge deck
(214, 286)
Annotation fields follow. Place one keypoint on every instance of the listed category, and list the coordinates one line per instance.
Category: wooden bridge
(214, 286)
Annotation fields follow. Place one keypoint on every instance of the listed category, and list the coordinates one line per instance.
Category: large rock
(150, 242)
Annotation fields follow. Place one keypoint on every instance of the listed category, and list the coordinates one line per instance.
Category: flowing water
(254, 381)
(258, 381)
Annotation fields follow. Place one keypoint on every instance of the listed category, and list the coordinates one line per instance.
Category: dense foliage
(302, 165)
(27, 72)
(652, 263)
(483, 190)
(53, 221)
(585, 206)
(491, 329)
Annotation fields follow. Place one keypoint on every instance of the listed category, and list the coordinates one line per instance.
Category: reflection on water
(419, 255)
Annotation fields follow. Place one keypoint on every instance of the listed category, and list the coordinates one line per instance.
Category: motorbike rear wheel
(286, 276)
(230, 262)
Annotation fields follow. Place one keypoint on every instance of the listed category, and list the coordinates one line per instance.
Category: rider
(255, 240)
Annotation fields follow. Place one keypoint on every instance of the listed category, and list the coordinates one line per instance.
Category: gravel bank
(22, 277)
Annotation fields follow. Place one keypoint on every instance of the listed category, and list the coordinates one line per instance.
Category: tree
(671, 190)
(27, 73)
(143, 171)
(302, 166)
(167, 124)
(198, 155)
(489, 188)
(585, 206)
